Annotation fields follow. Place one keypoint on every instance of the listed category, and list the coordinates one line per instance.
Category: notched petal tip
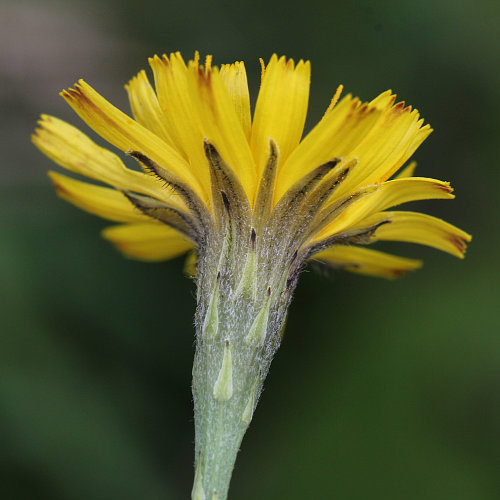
(66, 94)
(445, 187)
(460, 243)
(46, 118)
(155, 59)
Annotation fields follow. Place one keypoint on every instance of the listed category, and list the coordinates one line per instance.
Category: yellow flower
(193, 136)
(252, 202)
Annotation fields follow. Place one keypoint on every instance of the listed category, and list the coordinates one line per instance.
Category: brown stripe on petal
(358, 236)
(224, 180)
(459, 243)
(78, 94)
(291, 200)
(334, 210)
(202, 215)
(446, 188)
(226, 203)
(171, 216)
(265, 191)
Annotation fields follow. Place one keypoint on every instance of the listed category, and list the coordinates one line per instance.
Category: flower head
(204, 161)
(252, 202)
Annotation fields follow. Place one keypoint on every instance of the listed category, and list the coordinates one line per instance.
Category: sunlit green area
(381, 390)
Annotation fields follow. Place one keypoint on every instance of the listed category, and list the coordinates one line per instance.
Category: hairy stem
(242, 302)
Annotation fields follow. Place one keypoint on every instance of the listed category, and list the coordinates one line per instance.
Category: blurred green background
(381, 390)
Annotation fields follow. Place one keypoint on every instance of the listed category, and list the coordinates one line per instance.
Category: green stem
(240, 313)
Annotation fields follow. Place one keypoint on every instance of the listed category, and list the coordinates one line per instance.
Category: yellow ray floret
(387, 195)
(349, 121)
(125, 133)
(75, 151)
(381, 135)
(366, 261)
(234, 77)
(146, 108)
(150, 242)
(221, 125)
(414, 227)
(179, 113)
(281, 108)
(197, 106)
(104, 202)
(387, 146)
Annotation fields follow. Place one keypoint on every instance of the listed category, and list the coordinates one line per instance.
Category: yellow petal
(219, 123)
(341, 129)
(388, 194)
(97, 200)
(75, 151)
(423, 229)
(149, 242)
(366, 261)
(179, 111)
(234, 77)
(388, 145)
(126, 134)
(381, 135)
(145, 106)
(197, 106)
(281, 109)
